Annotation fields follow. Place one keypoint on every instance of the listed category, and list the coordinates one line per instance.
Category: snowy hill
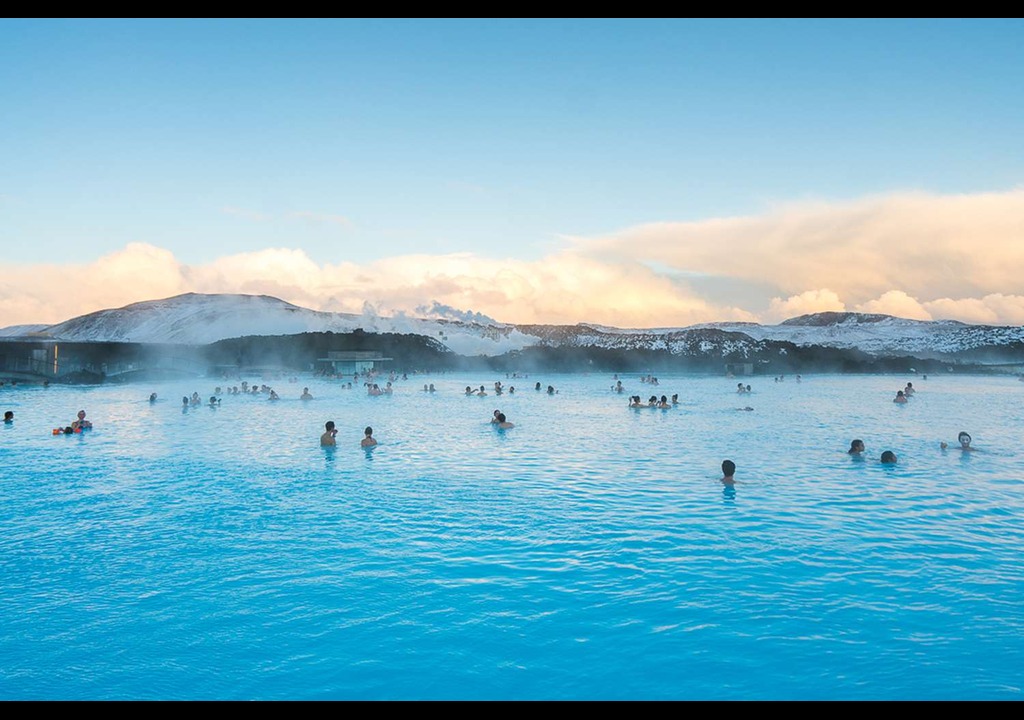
(198, 319)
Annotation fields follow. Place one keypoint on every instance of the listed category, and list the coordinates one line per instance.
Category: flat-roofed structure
(347, 362)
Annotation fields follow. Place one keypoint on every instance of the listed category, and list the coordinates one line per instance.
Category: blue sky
(513, 141)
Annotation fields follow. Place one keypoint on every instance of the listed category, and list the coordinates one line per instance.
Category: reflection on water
(584, 554)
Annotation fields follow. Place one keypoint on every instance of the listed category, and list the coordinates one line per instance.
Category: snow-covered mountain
(198, 319)
(883, 334)
(201, 319)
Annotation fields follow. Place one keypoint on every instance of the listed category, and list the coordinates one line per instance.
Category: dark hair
(368, 430)
(888, 456)
(8, 414)
(329, 425)
(501, 417)
(960, 437)
(728, 468)
(854, 444)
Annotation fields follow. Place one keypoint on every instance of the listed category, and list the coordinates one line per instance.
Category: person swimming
(909, 389)
(503, 423)
(728, 472)
(889, 457)
(964, 438)
(494, 418)
(856, 447)
(634, 401)
(663, 403)
(900, 397)
(152, 397)
(469, 391)
(80, 422)
(327, 439)
(368, 439)
(8, 417)
(305, 394)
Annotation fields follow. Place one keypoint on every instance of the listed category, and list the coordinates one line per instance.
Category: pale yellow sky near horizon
(912, 255)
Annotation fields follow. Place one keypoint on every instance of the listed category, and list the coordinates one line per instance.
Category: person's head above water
(889, 457)
(856, 446)
(329, 425)
(964, 438)
(368, 431)
(728, 468)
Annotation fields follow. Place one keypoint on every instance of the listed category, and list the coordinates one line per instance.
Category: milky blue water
(589, 553)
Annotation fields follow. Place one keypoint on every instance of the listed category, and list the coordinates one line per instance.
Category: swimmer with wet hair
(504, 424)
(8, 417)
(900, 397)
(728, 471)
(889, 457)
(327, 439)
(964, 438)
(368, 440)
(856, 447)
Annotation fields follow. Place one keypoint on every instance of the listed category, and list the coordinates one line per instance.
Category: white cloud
(898, 303)
(562, 288)
(322, 218)
(911, 254)
(244, 213)
(811, 301)
(927, 246)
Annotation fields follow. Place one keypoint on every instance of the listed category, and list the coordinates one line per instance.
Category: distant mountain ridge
(199, 319)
